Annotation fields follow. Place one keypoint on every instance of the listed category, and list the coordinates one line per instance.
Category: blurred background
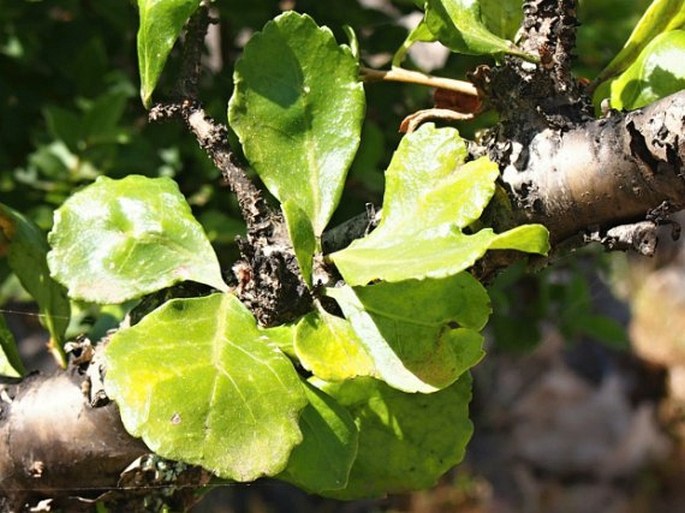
(578, 406)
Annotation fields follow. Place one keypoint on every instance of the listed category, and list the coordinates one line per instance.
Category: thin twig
(213, 138)
(268, 276)
(211, 135)
(549, 30)
(416, 77)
(192, 53)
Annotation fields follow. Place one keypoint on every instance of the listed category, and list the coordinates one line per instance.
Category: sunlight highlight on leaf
(298, 108)
(420, 335)
(431, 195)
(117, 240)
(161, 23)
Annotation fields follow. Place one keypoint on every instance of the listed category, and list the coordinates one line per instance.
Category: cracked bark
(602, 173)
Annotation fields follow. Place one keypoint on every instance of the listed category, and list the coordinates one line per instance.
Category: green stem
(416, 77)
(57, 350)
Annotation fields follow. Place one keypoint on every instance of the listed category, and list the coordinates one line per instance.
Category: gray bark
(601, 173)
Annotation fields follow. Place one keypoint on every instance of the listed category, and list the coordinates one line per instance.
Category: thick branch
(57, 447)
(602, 173)
(54, 444)
(531, 97)
(561, 168)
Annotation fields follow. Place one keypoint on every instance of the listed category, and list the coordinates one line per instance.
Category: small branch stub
(640, 237)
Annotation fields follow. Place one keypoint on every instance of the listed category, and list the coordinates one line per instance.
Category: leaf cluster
(243, 410)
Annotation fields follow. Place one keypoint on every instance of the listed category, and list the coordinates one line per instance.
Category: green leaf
(502, 17)
(96, 124)
(324, 458)
(27, 250)
(458, 25)
(661, 16)
(327, 346)
(201, 383)
(604, 329)
(530, 238)
(353, 41)
(283, 336)
(10, 361)
(406, 441)
(421, 335)
(657, 72)
(431, 195)
(161, 23)
(302, 236)
(420, 33)
(102, 117)
(117, 240)
(298, 108)
(64, 125)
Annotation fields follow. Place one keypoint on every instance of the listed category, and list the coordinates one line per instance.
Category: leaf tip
(146, 97)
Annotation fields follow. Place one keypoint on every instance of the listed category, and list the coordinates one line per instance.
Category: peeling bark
(560, 166)
(54, 444)
(601, 173)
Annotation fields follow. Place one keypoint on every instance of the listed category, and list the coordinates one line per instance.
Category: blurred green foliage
(605, 27)
(69, 107)
(571, 296)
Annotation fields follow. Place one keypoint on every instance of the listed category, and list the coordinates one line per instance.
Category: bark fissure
(639, 150)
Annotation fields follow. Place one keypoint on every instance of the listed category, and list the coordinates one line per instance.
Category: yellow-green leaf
(657, 72)
(430, 196)
(660, 17)
(201, 383)
(420, 335)
(302, 237)
(458, 24)
(329, 348)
